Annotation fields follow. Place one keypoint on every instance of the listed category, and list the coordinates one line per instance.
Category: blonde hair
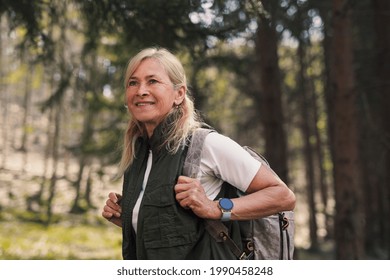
(185, 118)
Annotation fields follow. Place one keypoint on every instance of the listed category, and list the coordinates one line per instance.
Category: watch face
(226, 204)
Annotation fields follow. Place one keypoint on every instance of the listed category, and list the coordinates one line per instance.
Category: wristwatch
(226, 206)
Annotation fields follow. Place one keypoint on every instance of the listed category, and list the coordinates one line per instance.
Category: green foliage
(66, 240)
(15, 76)
(77, 48)
(224, 102)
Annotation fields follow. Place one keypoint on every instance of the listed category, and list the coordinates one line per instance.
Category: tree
(349, 218)
(382, 61)
(270, 91)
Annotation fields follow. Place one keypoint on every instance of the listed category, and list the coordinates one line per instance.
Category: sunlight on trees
(62, 106)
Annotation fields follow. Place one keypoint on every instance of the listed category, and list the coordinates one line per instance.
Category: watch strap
(226, 215)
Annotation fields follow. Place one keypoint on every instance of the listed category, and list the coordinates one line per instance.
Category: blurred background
(304, 82)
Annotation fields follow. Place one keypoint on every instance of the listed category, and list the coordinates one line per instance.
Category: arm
(224, 159)
(267, 195)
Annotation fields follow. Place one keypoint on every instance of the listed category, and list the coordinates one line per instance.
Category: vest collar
(155, 143)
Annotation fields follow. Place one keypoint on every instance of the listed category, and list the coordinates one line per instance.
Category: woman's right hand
(112, 210)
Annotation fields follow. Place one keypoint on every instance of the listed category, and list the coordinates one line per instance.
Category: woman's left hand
(191, 195)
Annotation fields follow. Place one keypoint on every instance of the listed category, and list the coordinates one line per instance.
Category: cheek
(165, 98)
(128, 96)
(169, 102)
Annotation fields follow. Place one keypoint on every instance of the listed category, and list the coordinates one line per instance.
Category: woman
(161, 211)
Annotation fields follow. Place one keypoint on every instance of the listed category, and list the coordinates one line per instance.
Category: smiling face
(151, 94)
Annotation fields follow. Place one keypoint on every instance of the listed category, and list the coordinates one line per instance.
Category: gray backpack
(268, 238)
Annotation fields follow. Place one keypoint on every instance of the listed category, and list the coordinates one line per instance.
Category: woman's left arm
(267, 194)
(225, 159)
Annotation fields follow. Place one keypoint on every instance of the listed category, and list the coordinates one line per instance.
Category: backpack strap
(283, 225)
(220, 233)
(192, 162)
(191, 167)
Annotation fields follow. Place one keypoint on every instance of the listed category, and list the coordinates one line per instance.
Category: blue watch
(226, 206)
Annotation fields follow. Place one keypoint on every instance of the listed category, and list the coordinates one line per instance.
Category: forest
(304, 82)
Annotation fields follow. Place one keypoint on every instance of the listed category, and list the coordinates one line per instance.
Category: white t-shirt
(222, 159)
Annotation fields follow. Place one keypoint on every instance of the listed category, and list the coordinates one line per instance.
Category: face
(151, 94)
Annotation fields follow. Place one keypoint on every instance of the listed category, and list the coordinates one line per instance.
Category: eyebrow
(147, 77)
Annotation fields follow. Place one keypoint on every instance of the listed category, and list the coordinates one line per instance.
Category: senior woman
(161, 211)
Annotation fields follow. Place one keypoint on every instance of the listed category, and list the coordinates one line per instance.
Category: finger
(184, 179)
(186, 183)
(184, 203)
(115, 197)
(113, 212)
(108, 210)
(189, 197)
(179, 188)
(114, 206)
(115, 220)
(180, 195)
(107, 215)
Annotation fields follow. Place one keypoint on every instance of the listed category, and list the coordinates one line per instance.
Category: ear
(180, 94)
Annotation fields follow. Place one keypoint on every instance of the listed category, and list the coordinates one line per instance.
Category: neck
(149, 130)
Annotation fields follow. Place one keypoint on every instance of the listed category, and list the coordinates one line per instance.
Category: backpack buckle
(284, 223)
(243, 256)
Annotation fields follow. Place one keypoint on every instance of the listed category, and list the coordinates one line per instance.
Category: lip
(143, 103)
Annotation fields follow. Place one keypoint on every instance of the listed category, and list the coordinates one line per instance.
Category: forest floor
(24, 235)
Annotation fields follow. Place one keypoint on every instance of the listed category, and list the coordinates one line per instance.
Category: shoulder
(223, 148)
(215, 141)
(229, 160)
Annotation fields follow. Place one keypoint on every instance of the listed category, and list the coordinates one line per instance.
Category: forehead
(150, 67)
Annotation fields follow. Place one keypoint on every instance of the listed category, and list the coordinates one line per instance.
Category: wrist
(226, 206)
(216, 213)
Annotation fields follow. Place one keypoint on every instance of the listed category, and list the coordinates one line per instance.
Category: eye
(131, 83)
(152, 81)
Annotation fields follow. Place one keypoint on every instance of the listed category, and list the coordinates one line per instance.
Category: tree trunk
(271, 97)
(88, 190)
(349, 219)
(87, 133)
(27, 107)
(329, 101)
(320, 147)
(382, 31)
(306, 128)
(49, 146)
(55, 156)
(4, 97)
(5, 126)
(26, 114)
(77, 207)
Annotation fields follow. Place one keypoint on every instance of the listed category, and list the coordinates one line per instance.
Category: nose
(142, 91)
(142, 94)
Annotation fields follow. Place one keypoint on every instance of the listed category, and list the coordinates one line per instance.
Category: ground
(75, 236)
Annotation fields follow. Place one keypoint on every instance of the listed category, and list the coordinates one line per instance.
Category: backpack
(268, 238)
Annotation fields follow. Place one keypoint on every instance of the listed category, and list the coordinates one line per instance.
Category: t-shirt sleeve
(227, 160)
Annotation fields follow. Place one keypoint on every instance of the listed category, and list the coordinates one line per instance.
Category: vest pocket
(165, 224)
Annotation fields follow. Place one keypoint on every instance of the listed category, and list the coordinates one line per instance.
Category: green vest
(165, 230)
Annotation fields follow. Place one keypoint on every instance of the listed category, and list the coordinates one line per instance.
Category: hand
(191, 195)
(112, 210)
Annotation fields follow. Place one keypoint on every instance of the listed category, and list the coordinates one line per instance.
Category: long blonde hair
(185, 119)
